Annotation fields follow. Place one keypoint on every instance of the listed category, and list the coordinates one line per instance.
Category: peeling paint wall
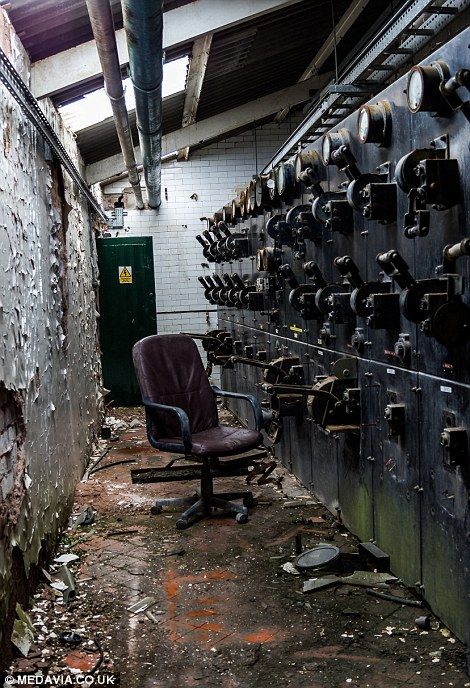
(49, 367)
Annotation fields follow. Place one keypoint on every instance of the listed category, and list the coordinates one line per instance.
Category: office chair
(181, 416)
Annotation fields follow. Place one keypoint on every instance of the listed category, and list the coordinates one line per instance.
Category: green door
(127, 311)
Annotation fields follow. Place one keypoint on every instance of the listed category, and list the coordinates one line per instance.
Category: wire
(334, 39)
(256, 146)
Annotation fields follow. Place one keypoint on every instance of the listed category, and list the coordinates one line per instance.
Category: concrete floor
(225, 615)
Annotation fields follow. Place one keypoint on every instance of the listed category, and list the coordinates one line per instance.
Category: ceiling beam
(197, 71)
(328, 47)
(217, 127)
(182, 25)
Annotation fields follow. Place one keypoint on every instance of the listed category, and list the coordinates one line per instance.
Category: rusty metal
(101, 19)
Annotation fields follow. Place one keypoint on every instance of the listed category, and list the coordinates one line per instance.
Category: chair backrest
(170, 371)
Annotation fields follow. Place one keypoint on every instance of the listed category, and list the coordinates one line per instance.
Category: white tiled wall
(213, 176)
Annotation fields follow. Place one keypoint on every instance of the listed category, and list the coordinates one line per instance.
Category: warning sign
(125, 274)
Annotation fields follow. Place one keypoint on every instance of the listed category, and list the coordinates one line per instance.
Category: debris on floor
(212, 606)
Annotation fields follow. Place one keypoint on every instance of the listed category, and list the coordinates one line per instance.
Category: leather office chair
(181, 414)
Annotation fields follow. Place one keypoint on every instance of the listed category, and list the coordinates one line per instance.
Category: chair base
(204, 501)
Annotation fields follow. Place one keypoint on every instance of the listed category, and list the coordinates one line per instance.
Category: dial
(272, 185)
(280, 179)
(415, 90)
(423, 90)
(363, 124)
(326, 149)
(331, 142)
(259, 192)
(374, 123)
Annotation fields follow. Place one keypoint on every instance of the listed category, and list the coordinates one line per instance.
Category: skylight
(95, 107)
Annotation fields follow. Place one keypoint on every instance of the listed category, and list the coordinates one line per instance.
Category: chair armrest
(253, 401)
(184, 425)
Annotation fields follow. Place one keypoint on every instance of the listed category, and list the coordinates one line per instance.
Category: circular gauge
(236, 210)
(326, 149)
(423, 88)
(304, 160)
(415, 89)
(248, 199)
(285, 181)
(363, 124)
(252, 197)
(272, 185)
(259, 193)
(374, 123)
(280, 179)
(331, 142)
(242, 199)
(263, 200)
(227, 216)
(298, 166)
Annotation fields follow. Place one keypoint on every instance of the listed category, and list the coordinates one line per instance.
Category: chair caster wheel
(182, 523)
(156, 510)
(249, 501)
(241, 518)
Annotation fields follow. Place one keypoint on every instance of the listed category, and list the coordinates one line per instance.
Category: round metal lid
(317, 558)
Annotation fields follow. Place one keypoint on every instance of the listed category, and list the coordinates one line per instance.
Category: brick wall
(215, 174)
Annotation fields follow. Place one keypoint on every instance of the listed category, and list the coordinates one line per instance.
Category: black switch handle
(397, 268)
(348, 268)
(314, 273)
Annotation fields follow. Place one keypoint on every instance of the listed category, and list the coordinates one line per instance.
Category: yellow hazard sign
(125, 274)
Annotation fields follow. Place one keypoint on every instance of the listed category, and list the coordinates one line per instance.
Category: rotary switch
(362, 291)
(301, 296)
(434, 303)
(428, 177)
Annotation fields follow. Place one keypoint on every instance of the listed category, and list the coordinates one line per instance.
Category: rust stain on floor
(224, 614)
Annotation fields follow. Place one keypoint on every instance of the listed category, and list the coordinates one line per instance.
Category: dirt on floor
(220, 608)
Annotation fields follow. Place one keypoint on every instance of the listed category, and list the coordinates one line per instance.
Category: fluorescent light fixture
(95, 107)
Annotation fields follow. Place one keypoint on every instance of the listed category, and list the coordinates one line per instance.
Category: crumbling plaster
(49, 356)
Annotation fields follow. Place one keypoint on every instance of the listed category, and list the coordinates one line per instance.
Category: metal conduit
(102, 24)
(143, 23)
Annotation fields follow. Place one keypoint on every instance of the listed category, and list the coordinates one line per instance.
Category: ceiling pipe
(143, 23)
(102, 24)
(168, 157)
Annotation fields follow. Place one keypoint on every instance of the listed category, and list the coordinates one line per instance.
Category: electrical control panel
(346, 302)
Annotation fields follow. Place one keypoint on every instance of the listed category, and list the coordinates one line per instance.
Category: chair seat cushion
(221, 440)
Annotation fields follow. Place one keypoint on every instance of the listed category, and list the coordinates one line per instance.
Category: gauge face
(252, 194)
(281, 179)
(415, 90)
(258, 192)
(298, 166)
(363, 124)
(326, 149)
(249, 198)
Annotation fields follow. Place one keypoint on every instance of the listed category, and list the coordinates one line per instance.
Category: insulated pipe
(101, 19)
(143, 23)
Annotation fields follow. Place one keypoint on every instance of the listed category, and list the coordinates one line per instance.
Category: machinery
(361, 288)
